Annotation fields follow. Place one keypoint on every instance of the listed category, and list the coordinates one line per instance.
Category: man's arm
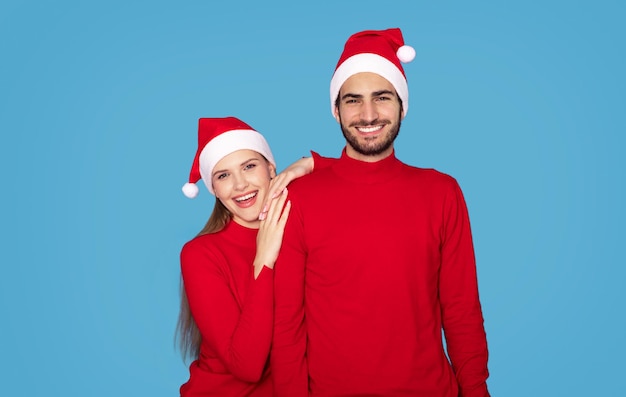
(460, 305)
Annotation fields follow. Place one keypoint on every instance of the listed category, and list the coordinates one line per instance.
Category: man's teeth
(370, 129)
(246, 197)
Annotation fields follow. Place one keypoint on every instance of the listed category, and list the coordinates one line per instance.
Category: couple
(345, 286)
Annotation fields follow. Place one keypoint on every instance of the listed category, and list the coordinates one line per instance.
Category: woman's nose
(240, 182)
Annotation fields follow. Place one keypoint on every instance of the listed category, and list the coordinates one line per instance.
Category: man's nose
(369, 111)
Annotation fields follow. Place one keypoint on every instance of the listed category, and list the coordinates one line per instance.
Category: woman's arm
(270, 236)
(299, 168)
(239, 336)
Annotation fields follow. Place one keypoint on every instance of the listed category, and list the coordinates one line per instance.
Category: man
(377, 257)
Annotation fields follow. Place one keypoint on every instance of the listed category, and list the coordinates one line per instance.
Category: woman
(226, 316)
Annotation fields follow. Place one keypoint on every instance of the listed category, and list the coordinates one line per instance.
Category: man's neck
(350, 152)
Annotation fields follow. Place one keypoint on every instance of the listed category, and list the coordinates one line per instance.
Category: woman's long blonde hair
(187, 332)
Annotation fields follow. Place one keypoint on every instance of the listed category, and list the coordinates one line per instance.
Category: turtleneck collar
(239, 234)
(368, 173)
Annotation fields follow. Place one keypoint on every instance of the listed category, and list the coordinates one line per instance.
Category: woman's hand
(270, 236)
(279, 183)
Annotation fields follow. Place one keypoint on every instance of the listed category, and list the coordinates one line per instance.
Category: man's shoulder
(428, 174)
(312, 180)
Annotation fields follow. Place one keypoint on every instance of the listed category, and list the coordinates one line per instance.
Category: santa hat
(375, 51)
(219, 137)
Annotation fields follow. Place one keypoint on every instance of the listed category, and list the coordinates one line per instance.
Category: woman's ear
(272, 170)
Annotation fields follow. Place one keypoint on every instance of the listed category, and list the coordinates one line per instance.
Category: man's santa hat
(375, 51)
(217, 138)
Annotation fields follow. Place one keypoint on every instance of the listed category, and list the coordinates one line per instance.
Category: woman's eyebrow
(244, 163)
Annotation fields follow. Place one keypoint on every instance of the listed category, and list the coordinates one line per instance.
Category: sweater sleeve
(320, 162)
(287, 357)
(241, 337)
(461, 311)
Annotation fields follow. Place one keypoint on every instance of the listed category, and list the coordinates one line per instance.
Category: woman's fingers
(276, 207)
(284, 215)
(277, 185)
(270, 236)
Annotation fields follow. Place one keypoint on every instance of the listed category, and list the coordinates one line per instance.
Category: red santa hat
(219, 137)
(375, 51)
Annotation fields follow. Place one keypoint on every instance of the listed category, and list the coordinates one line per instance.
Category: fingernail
(262, 216)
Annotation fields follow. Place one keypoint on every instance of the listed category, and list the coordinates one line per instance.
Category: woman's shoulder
(203, 253)
(204, 243)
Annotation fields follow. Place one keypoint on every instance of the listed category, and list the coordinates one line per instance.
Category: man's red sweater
(377, 259)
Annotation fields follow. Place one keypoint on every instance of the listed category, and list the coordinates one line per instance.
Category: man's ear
(336, 114)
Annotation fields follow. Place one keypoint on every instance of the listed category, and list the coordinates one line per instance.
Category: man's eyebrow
(383, 92)
(374, 94)
(349, 95)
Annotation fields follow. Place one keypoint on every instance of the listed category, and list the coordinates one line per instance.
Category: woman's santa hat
(375, 51)
(217, 138)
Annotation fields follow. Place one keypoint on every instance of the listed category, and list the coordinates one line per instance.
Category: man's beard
(370, 149)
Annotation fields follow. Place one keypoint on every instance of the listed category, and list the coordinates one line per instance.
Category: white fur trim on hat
(227, 143)
(367, 62)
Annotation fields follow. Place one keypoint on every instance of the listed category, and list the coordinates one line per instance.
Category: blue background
(523, 103)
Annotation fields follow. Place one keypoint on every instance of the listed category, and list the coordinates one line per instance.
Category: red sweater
(376, 260)
(233, 312)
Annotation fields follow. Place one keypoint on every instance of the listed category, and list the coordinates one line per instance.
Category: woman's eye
(222, 176)
(249, 166)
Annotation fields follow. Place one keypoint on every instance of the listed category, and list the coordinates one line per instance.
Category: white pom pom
(190, 190)
(406, 54)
